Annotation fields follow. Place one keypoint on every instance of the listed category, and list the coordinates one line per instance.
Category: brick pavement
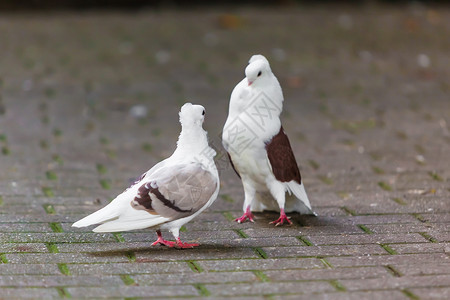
(367, 111)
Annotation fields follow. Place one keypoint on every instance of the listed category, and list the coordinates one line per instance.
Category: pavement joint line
(48, 191)
(435, 176)
(52, 247)
(385, 186)
(118, 236)
(101, 169)
(349, 211)
(56, 227)
(127, 279)
(388, 249)
(326, 263)
(393, 271)
(241, 233)
(305, 240)
(202, 290)
(227, 198)
(63, 292)
(195, 267)
(64, 269)
(419, 217)
(49, 209)
(228, 216)
(429, 237)
(260, 252)
(399, 201)
(410, 294)
(338, 286)
(105, 184)
(261, 276)
(51, 175)
(131, 256)
(365, 228)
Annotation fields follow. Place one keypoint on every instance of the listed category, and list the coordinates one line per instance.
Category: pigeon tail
(107, 213)
(303, 206)
(123, 224)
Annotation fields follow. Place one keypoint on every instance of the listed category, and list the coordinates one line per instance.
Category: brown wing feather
(282, 159)
(177, 196)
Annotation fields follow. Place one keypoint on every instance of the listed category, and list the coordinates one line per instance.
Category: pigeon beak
(250, 83)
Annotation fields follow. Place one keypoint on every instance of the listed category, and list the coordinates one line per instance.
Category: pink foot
(247, 215)
(162, 241)
(282, 219)
(181, 245)
(178, 244)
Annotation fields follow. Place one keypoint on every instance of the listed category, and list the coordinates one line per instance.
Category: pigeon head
(191, 115)
(258, 69)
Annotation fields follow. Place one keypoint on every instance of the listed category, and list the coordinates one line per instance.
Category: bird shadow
(161, 253)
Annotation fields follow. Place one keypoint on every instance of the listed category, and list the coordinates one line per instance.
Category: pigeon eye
(259, 73)
(203, 113)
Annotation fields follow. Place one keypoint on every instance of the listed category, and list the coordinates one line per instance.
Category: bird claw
(178, 244)
(181, 245)
(247, 215)
(280, 221)
(163, 242)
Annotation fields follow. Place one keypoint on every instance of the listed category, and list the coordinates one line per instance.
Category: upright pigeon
(171, 193)
(259, 149)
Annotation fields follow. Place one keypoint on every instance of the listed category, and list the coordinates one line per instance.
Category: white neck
(192, 141)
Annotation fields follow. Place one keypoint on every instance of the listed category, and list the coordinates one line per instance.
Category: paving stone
(327, 274)
(334, 250)
(261, 264)
(133, 291)
(111, 268)
(432, 292)
(383, 260)
(56, 237)
(23, 247)
(61, 280)
(423, 268)
(25, 227)
(348, 239)
(370, 295)
(193, 278)
(403, 228)
(70, 258)
(269, 288)
(440, 236)
(421, 248)
(369, 219)
(29, 293)
(258, 233)
(35, 269)
(393, 283)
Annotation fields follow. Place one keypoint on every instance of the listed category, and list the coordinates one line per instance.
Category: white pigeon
(171, 193)
(259, 149)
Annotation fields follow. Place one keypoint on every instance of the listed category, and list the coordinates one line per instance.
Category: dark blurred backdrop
(139, 4)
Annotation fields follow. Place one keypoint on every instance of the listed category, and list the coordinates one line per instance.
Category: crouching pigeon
(171, 193)
(258, 147)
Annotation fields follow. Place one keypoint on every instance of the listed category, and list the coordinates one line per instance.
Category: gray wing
(178, 192)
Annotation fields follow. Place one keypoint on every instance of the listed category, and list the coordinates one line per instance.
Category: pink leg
(162, 241)
(247, 215)
(181, 245)
(282, 219)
